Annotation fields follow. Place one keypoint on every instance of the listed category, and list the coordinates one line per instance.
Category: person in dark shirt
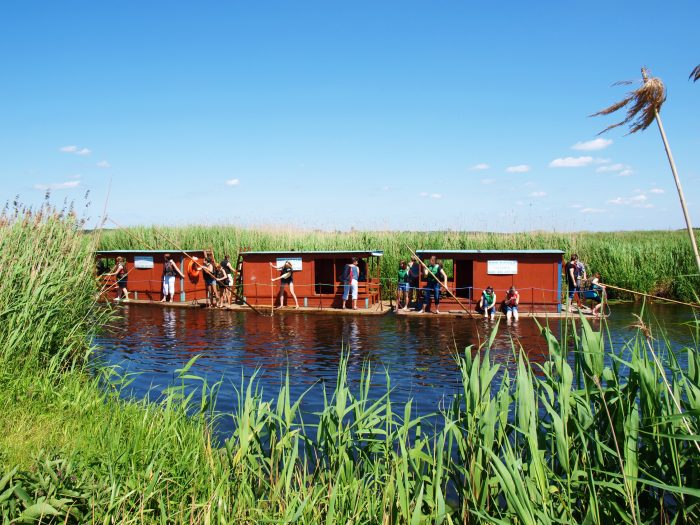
(120, 274)
(170, 270)
(433, 271)
(573, 273)
(286, 278)
(227, 283)
(413, 279)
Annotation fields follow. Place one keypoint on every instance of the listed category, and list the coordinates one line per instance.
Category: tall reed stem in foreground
(644, 105)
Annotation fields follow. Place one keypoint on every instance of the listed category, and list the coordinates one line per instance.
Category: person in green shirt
(402, 289)
(432, 271)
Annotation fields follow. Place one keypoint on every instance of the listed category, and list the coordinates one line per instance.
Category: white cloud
(625, 173)
(592, 210)
(612, 167)
(436, 195)
(520, 168)
(538, 194)
(69, 149)
(638, 201)
(103, 164)
(592, 145)
(233, 182)
(488, 181)
(656, 190)
(571, 162)
(480, 166)
(83, 152)
(58, 185)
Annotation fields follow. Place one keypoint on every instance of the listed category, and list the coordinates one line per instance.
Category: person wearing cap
(487, 303)
(511, 304)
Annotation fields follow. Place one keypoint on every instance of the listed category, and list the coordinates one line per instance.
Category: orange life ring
(193, 269)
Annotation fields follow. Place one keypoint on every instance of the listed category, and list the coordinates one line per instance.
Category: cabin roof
(364, 253)
(457, 252)
(115, 252)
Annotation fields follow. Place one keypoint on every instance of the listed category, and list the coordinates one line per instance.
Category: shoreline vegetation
(572, 443)
(654, 262)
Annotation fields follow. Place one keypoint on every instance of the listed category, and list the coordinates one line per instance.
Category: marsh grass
(576, 442)
(656, 262)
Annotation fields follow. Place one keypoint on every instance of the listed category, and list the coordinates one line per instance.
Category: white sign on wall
(296, 263)
(143, 262)
(501, 267)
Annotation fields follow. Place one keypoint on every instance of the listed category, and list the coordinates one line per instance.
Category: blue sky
(382, 115)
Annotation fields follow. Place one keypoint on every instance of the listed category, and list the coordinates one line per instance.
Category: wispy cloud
(638, 201)
(625, 173)
(233, 182)
(657, 190)
(103, 164)
(431, 195)
(75, 149)
(592, 210)
(480, 166)
(571, 162)
(58, 185)
(592, 145)
(614, 167)
(488, 181)
(538, 194)
(520, 168)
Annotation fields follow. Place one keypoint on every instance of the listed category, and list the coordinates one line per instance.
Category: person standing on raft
(433, 271)
(597, 294)
(413, 279)
(572, 269)
(286, 278)
(402, 287)
(120, 274)
(351, 275)
(170, 270)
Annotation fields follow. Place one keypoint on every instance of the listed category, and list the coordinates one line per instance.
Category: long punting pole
(439, 281)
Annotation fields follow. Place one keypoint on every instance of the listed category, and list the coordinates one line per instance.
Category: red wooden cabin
(536, 274)
(317, 277)
(145, 273)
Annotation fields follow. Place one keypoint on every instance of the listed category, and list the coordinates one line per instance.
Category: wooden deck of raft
(378, 309)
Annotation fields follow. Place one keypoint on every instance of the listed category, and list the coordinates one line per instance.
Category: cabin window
(324, 278)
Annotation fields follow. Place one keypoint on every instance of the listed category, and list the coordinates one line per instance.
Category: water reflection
(418, 352)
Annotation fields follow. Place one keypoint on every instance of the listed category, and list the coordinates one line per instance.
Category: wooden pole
(652, 296)
(439, 281)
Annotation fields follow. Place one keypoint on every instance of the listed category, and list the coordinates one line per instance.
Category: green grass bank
(655, 262)
(581, 443)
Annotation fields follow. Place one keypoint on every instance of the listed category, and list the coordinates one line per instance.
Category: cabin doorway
(324, 276)
(464, 279)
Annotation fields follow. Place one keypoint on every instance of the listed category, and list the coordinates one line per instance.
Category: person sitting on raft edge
(487, 302)
(511, 303)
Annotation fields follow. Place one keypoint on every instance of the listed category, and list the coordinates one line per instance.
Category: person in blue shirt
(351, 276)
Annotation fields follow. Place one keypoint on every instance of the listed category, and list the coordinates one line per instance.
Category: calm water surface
(418, 351)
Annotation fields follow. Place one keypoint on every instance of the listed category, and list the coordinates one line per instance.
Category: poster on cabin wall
(296, 263)
(502, 267)
(143, 262)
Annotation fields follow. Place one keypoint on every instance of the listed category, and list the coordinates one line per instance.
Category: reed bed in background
(658, 262)
(571, 442)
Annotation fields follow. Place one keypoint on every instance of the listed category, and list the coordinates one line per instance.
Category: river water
(418, 352)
